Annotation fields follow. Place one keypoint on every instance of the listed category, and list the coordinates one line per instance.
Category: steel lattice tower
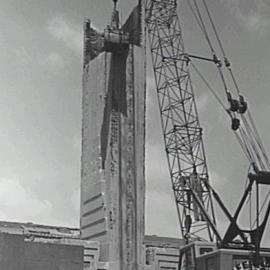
(180, 123)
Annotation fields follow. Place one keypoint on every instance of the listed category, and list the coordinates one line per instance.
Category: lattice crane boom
(183, 134)
(180, 122)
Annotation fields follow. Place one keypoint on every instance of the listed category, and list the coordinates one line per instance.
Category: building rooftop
(60, 232)
(163, 242)
(45, 231)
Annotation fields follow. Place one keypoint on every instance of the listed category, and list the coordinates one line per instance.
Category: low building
(27, 246)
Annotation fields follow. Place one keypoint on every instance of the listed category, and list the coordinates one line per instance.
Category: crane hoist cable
(248, 148)
(255, 145)
(244, 147)
(255, 141)
(250, 139)
(252, 148)
(254, 136)
(227, 63)
(247, 139)
(201, 23)
(209, 87)
(181, 118)
(241, 138)
(261, 208)
(263, 204)
(195, 15)
(257, 135)
(246, 142)
(254, 126)
(203, 27)
(247, 134)
(234, 104)
(214, 28)
(198, 17)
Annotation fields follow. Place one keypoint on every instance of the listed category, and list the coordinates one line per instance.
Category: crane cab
(206, 256)
(190, 252)
(232, 259)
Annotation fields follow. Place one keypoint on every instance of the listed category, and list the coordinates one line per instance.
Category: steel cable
(221, 46)
(252, 137)
(209, 87)
(203, 26)
(214, 28)
(248, 136)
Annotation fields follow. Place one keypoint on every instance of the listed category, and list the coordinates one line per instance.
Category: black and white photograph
(134, 135)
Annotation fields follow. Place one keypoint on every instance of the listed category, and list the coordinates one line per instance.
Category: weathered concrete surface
(113, 138)
(162, 258)
(112, 206)
(18, 254)
(162, 252)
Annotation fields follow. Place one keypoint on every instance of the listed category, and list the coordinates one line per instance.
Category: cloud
(159, 194)
(163, 220)
(203, 103)
(157, 171)
(216, 180)
(67, 32)
(254, 16)
(34, 62)
(24, 56)
(53, 60)
(255, 22)
(20, 203)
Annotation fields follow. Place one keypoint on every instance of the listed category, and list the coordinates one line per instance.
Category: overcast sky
(40, 106)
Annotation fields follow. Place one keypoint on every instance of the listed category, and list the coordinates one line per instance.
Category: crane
(180, 122)
(182, 132)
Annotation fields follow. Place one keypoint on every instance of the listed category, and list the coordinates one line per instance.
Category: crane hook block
(227, 63)
(234, 104)
(217, 61)
(242, 105)
(229, 96)
(235, 124)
